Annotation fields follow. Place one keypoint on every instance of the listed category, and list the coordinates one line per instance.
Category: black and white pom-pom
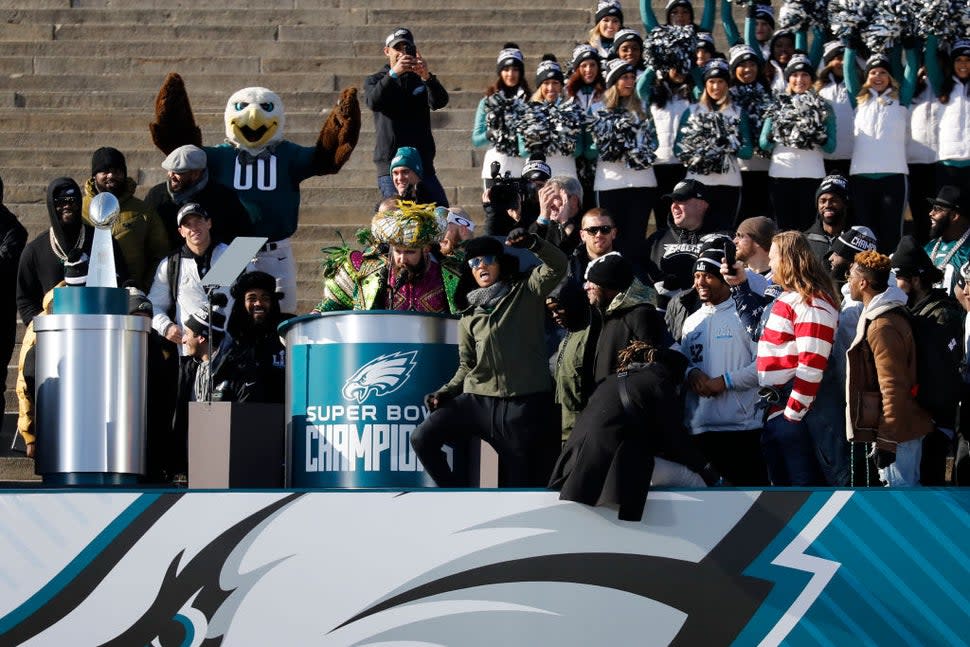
(669, 47)
(502, 115)
(960, 12)
(849, 16)
(890, 19)
(755, 100)
(708, 142)
(798, 120)
(803, 14)
(551, 129)
(621, 136)
(932, 17)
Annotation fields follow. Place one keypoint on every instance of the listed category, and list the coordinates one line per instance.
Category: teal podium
(355, 387)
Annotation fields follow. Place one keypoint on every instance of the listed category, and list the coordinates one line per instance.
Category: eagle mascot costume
(264, 169)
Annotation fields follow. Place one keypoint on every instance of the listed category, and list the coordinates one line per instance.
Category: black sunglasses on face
(60, 202)
(598, 229)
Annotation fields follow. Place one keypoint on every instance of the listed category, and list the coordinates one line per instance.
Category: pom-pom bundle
(882, 24)
(798, 120)
(502, 115)
(670, 48)
(550, 128)
(708, 143)
(803, 14)
(621, 136)
(755, 100)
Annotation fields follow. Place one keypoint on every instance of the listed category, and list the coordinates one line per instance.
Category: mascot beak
(253, 127)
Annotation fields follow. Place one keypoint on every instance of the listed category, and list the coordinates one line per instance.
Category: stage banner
(711, 567)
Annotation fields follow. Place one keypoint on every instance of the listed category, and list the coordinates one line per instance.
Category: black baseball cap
(687, 189)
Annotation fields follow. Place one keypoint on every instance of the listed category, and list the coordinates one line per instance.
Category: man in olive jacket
(881, 374)
(502, 390)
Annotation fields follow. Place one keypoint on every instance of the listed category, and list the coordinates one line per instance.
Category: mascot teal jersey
(268, 186)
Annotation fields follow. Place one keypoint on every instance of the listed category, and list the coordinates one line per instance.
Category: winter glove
(520, 238)
(434, 401)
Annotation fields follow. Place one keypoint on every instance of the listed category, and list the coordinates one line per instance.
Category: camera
(410, 49)
(506, 190)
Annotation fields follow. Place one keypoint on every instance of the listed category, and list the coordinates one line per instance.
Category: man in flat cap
(188, 181)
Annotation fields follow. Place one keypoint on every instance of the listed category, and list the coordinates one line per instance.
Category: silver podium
(90, 406)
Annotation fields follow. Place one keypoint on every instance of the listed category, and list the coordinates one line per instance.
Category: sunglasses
(481, 260)
(60, 202)
(598, 229)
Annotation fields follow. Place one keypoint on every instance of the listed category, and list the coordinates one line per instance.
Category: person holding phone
(402, 96)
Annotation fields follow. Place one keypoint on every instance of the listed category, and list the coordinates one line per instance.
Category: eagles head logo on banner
(380, 376)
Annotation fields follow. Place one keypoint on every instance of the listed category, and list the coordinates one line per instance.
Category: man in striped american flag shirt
(793, 352)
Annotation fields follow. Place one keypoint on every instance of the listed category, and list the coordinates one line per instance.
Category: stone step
(437, 52)
(109, 73)
(125, 141)
(374, 18)
(105, 123)
(215, 101)
(373, 34)
(247, 4)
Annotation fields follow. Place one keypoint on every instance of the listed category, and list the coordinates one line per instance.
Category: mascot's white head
(254, 119)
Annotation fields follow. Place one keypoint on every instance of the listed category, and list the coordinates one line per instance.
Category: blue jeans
(905, 471)
(429, 182)
(790, 453)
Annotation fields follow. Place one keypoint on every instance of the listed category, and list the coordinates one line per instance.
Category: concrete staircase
(79, 74)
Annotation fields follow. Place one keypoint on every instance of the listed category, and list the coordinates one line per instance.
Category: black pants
(736, 455)
(838, 167)
(922, 185)
(937, 446)
(522, 429)
(755, 196)
(723, 211)
(793, 199)
(668, 175)
(630, 209)
(878, 204)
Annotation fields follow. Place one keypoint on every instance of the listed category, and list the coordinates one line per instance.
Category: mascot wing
(339, 134)
(174, 123)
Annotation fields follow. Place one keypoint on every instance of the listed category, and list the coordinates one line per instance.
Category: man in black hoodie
(42, 263)
(13, 237)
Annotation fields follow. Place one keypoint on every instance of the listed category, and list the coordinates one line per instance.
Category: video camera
(510, 192)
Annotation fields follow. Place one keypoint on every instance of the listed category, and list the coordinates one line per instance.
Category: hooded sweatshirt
(40, 267)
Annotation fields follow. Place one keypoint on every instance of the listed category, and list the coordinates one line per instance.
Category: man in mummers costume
(397, 269)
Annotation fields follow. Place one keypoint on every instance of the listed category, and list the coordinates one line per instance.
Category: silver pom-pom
(798, 120)
(708, 142)
(932, 17)
(797, 15)
(621, 136)
(670, 48)
(551, 129)
(889, 20)
(848, 17)
(502, 115)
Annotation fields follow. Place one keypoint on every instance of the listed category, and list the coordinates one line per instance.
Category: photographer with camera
(402, 96)
(512, 202)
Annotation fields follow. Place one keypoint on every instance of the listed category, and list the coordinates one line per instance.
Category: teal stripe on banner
(958, 558)
(859, 635)
(76, 565)
(848, 591)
